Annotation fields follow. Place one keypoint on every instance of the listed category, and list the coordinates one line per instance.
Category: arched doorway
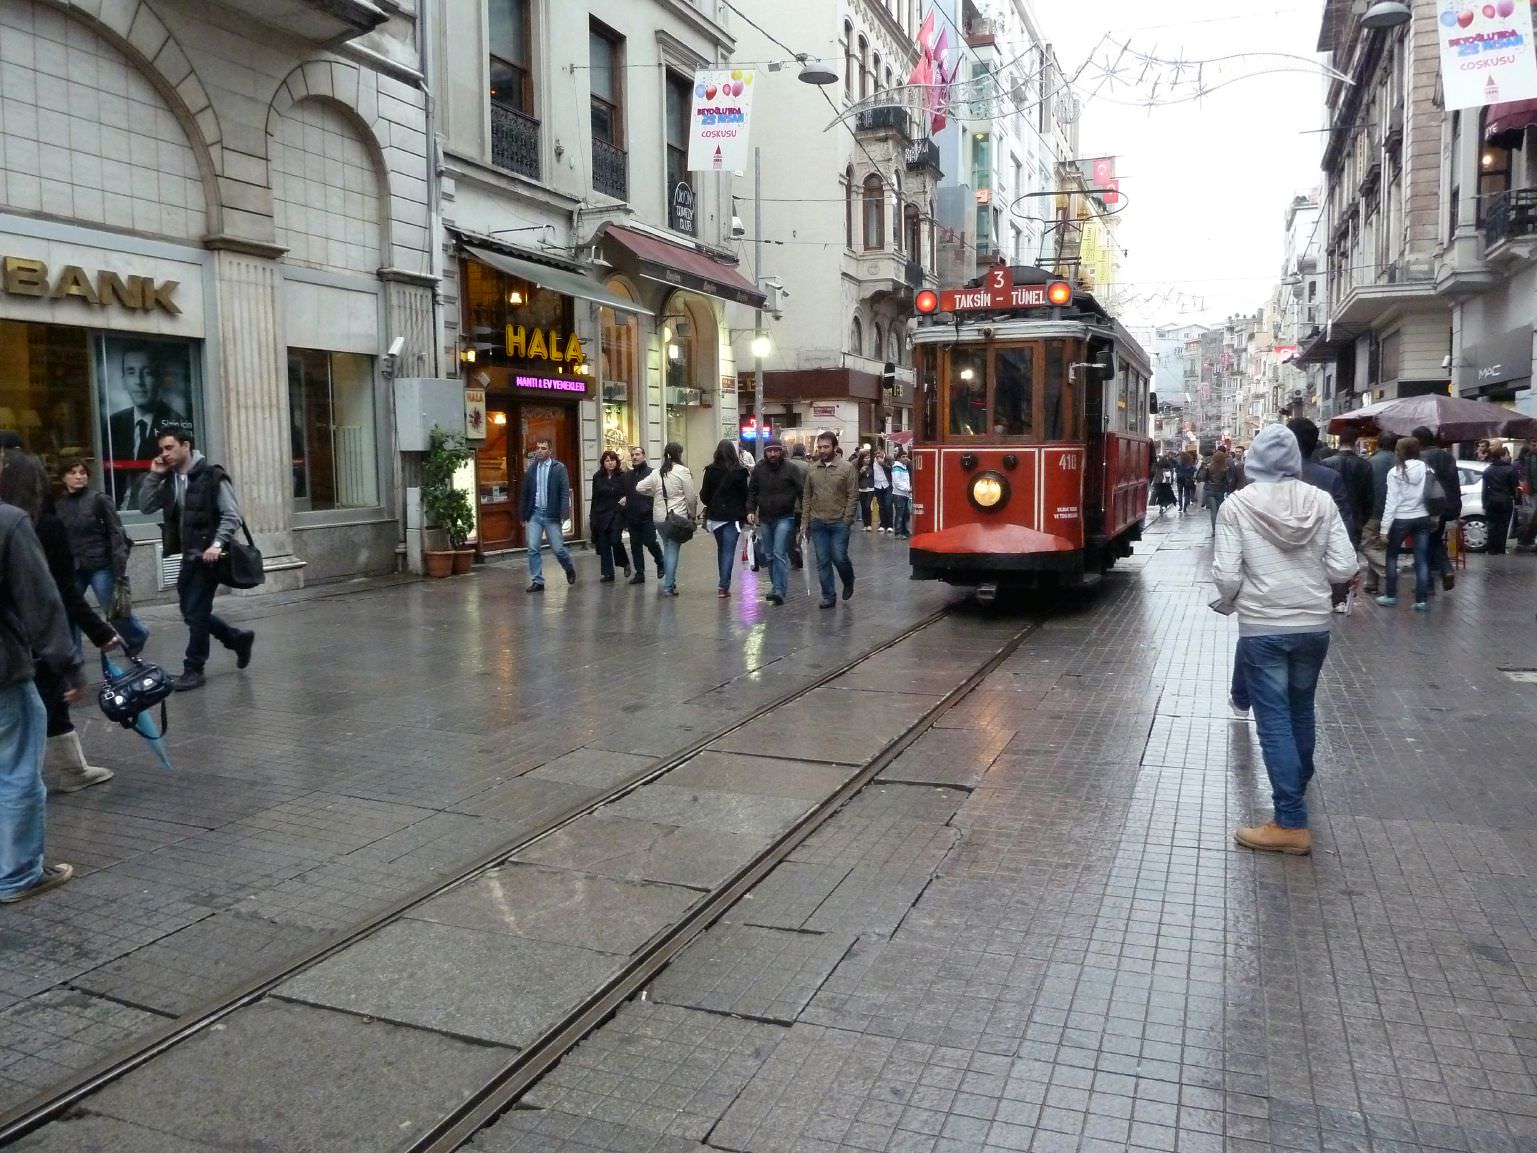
(690, 360)
(619, 371)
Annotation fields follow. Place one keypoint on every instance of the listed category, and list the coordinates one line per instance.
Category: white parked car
(1475, 526)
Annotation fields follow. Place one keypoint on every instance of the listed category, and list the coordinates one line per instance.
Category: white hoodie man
(1280, 544)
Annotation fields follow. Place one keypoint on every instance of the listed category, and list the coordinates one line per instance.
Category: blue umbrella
(144, 724)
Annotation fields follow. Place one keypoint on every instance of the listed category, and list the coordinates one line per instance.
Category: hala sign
(1486, 52)
(718, 121)
(536, 344)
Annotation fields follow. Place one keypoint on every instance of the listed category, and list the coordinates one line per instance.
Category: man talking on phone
(199, 517)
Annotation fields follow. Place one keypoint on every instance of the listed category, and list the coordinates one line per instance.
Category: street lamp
(761, 346)
(1386, 14)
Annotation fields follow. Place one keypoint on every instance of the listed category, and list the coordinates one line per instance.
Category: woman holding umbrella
(24, 483)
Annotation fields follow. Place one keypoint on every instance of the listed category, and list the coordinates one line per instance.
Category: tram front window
(1014, 392)
(968, 393)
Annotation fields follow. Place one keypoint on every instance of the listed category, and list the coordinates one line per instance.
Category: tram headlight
(988, 491)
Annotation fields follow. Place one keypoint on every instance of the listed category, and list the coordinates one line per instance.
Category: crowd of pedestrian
(59, 539)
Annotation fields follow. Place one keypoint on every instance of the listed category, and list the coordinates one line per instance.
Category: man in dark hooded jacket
(1441, 462)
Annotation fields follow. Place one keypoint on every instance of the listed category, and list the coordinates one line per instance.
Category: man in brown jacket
(828, 503)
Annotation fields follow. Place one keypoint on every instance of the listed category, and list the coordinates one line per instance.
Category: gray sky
(1207, 182)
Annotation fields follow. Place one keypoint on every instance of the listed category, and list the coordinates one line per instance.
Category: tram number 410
(1067, 463)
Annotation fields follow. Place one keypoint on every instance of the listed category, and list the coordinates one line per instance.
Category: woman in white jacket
(672, 490)
(1404, 514)
(1280, 544)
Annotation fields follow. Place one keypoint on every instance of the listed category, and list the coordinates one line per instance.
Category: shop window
(331, 426)
(70, 390)
(688, 353)
(619, 368)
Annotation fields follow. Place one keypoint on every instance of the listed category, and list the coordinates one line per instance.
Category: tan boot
(64, 767)
(1272, 838)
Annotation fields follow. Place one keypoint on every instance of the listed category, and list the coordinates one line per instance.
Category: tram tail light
(927, 301)
(1059, 293)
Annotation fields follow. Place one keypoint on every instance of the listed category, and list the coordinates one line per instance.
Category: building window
(331, 423)
(848, 60)
(857, 338)
(877, 339)
(511, 78)
(912, 222)
(1454, 208)
(864, 68)
(605, 53)
(514, 131)
(875, 71)
(848, 207)
(1493, 170)
(679, 95)
(874, 213)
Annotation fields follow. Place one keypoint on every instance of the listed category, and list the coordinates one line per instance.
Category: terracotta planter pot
(464, 560)
(439, 563)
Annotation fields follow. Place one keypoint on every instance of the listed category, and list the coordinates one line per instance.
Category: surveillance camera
(738, 229)
(396, 345)
(1446, 361)
(784, 292)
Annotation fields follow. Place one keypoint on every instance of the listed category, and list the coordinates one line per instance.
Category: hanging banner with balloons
(1486, 52)
(717, 133)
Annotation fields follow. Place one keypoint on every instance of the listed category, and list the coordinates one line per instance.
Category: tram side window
(1014, 392)
(928, 392)
(968, 393)
(1054, 381)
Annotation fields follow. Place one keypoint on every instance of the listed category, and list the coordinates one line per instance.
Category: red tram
(1031, 453)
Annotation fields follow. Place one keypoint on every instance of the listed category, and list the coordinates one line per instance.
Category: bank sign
(20, 276)
(718, 120)
(1486, 52)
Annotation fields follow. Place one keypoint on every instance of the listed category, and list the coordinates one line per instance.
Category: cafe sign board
(538, 344)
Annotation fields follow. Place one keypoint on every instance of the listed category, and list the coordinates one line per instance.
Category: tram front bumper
(991, 551)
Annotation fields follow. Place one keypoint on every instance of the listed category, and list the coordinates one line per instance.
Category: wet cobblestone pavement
(1032, 933)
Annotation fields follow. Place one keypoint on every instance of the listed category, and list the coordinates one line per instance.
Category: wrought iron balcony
(514, 141)
(1510, 215)
(922, 155)
(885, 119)
(610, 170)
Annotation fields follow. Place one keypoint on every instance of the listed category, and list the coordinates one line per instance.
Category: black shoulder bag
(675, 526)
(240, 566)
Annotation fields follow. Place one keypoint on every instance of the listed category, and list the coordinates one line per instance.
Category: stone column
(252, 398)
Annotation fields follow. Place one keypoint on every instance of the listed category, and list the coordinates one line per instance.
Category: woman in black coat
(1501, 491)
(607, 516)
(724, 495)
(24, 483)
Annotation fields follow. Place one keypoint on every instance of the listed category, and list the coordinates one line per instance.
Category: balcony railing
(514, 141)
(887, 118)
(1511, 214)
(922, 155)
(610, 170)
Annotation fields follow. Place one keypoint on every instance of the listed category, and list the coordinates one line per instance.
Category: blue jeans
(671, 550)
(726, 538)
(101, 581)
(22, 796)
(1281, 674)
(1419, 530)
(831, 540)
(540, 528)
(901, 513)
(777, 534)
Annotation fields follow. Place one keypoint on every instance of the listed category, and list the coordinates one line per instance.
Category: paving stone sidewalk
(1087, 963)
(386, 734)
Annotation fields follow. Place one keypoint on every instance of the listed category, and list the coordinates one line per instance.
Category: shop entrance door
(512, 427)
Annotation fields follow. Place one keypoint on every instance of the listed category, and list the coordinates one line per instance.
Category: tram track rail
(502, 1091)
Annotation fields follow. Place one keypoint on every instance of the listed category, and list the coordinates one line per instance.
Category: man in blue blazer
(546, 502)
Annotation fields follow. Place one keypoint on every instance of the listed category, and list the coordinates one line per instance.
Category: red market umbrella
(1451, 418)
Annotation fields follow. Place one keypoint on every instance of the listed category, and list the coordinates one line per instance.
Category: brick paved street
(1033, 933)
(384, 734)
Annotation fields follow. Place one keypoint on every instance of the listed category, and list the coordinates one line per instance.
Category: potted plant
(447, 509)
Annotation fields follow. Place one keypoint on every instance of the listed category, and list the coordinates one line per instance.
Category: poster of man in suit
(144, 384)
